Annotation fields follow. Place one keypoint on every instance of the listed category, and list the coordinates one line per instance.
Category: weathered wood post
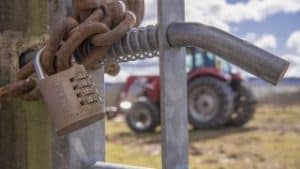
(27, 140)
(25, 133)
(173, 90)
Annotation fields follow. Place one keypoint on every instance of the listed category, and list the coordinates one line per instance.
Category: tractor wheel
(210, 103)
(244, 107)
(143, 117)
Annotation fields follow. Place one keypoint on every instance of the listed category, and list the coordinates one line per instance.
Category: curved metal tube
(239, 52)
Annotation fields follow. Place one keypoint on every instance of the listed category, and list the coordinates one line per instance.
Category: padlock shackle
(37, 65)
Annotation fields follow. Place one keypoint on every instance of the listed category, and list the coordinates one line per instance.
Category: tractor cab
(197, 58)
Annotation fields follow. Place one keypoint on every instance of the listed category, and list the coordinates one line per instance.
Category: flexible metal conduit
(137, 44)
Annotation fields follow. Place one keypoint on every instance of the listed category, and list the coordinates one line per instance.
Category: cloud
(294, 69)
(293, 59)
(220, 13)
(150, 13)
(265, 41)
(293, 41)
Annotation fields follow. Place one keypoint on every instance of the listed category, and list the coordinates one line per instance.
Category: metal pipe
(239, 52)
(104, 165)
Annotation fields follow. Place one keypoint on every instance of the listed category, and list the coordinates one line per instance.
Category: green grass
(269, 141)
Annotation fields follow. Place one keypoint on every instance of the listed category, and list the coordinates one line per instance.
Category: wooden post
(173, 90)
(25, 133)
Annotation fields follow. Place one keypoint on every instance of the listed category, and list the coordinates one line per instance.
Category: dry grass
(269, 141)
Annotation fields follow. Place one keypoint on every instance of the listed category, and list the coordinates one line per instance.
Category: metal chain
(135, 57)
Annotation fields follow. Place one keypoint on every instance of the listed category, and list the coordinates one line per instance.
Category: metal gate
(85, 148)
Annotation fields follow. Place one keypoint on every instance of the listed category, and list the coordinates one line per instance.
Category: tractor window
(210, 60)
(199, 61)
(223, 65)
(189, 61)
(219, 63)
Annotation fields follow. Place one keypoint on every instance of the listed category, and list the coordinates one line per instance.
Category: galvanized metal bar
(87, 145)
(60, 151)
(84, 147)
(173, 90)
(103, 165)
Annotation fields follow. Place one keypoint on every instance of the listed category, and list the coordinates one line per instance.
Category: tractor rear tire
(245, 103)
(143, 117)
(214, 103)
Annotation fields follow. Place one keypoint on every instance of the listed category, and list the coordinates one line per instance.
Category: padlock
(70, 96)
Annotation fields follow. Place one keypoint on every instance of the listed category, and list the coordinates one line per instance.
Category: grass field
(270, 141)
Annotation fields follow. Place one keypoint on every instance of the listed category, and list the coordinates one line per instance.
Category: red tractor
(216, 96)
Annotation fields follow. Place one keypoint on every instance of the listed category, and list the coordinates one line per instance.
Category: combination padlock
(71, 97)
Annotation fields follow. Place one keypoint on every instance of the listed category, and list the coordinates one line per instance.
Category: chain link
(129, 58)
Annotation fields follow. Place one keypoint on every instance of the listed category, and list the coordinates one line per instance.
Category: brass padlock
(71, 97)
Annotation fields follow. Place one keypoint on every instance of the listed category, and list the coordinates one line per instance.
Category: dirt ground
(270, 141)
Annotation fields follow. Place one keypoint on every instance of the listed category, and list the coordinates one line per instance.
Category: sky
(273, 25)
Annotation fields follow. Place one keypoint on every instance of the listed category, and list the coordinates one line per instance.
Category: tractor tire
(245, 103)
(143, 117)
(210, 103)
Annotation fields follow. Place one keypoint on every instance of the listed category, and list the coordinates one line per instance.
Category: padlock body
(72, 100)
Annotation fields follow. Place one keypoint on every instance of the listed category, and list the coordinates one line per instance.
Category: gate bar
(103, 165)
(84, 147)
(174, 119)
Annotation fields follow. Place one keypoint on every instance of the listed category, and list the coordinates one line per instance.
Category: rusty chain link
(97, 23)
